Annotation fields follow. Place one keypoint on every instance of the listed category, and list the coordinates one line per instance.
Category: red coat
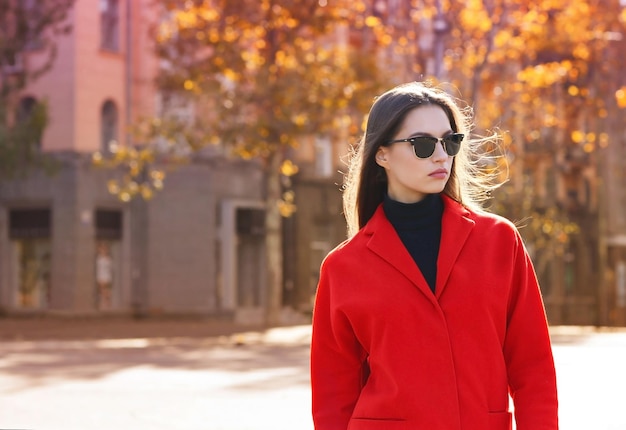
(389, 354)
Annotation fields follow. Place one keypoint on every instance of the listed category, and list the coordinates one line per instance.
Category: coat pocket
(500, 420)
(377, 424)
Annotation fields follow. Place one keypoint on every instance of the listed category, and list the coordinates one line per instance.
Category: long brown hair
(366, 182)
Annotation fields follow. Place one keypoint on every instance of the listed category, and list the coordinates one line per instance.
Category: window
(25, 109)
(323, 157)
(176, 107)
(14, 64)
(109, 25)
(30, 232)
(30, 119)
(251, 221)
(109, 125)
(108, 224)
(29, 223)
(32, 10)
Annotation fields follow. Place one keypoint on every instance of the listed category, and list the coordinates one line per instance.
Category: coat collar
(456, 226)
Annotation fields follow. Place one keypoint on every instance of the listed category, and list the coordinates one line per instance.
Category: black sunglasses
(424, 146)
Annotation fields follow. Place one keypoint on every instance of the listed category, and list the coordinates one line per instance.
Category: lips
(439, 174)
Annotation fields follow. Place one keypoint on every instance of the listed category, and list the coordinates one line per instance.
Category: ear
(381, 157)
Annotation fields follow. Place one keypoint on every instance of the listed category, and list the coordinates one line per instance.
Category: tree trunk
(273, 242)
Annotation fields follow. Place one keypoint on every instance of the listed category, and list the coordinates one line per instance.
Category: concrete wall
(183, 236)
(71, 195)
(169, 249)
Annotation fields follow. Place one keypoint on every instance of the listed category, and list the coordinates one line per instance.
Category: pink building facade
(68, 246)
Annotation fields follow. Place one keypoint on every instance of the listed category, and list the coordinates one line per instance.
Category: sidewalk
(73, 373)
(153, 374)
(125, 327)
(111, 331)
(121, 327)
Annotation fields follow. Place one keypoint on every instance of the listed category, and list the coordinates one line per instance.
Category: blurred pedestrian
(430, 314)
(104, 276)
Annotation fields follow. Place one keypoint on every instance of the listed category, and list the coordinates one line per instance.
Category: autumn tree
(28, 30)
(547, 72)
(262, 75)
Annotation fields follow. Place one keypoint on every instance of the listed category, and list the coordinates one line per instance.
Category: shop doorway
(29, 233)
(108, 261)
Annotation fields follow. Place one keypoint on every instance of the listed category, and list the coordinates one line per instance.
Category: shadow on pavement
(115, 327)
(42, 352)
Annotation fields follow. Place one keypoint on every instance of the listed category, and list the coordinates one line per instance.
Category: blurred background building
(188, 251)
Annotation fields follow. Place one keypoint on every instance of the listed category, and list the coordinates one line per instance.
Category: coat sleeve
(528, 351)
(337, 360)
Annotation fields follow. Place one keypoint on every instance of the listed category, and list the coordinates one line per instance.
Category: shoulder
(490, 219)
(484, 221)
(347, 249)
(501, 231)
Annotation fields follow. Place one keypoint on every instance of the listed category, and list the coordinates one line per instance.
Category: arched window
(25, 109)
(110, 25)
(109, 119)
(31, 121)
(32, 10)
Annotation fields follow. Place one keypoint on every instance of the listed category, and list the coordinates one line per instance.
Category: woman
(430, 315)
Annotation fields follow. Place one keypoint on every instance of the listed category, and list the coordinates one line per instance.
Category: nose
(440, 153)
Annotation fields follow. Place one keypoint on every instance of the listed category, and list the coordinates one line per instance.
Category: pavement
(177, 373)
(117, 327)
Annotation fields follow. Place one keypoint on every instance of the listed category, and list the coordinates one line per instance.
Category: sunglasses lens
(453, 143)
(424, 146)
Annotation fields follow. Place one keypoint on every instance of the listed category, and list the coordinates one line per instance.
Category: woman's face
(410, 178)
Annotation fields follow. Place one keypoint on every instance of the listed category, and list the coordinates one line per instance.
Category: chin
(434, 190)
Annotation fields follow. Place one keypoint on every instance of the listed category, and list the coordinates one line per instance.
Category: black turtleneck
(419, 227)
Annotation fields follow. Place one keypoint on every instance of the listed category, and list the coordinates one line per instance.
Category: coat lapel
(456, 226)
(385, 242)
